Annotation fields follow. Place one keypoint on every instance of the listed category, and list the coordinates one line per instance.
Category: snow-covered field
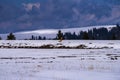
(60, 64)
(94, 44)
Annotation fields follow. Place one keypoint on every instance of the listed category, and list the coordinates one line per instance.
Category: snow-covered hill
(51, 33)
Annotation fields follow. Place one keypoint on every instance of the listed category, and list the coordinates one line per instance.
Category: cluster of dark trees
(93, 34)
(37, 38)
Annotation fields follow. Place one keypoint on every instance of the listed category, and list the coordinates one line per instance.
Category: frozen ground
(98, 44)
(59, 64)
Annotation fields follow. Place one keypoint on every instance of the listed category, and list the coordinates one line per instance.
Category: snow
(51, 33)
(115, 44)
(60, 64)
(46, 64)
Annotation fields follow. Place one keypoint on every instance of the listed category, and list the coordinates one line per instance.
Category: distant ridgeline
(93, 34)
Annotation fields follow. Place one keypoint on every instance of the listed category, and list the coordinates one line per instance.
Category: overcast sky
(19, 15)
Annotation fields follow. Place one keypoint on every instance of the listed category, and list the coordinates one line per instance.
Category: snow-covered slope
(51, 33)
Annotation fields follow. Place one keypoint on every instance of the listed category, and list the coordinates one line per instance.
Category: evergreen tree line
(94, 34)
(37, 38)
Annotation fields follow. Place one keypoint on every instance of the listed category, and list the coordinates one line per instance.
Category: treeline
(37, 38)
(93, 34)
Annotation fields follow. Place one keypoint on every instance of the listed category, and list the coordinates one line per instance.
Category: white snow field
(94, 44)
(60, 64)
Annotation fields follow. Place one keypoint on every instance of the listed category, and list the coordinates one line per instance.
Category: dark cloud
(17, 15)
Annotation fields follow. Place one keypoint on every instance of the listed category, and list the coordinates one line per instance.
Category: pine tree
(74, 36)
(32, 37)
(85, 36)
(11, 37)
(60, 35)
(39, 37)
(113, 37)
